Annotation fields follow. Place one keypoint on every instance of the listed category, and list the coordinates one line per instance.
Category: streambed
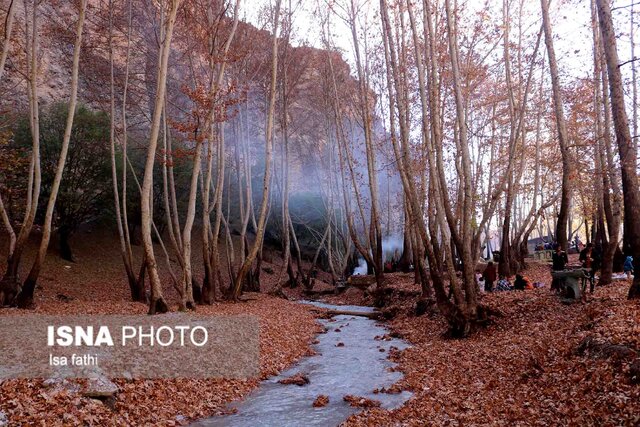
(355, 368)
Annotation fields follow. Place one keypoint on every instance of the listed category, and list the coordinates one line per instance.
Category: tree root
(10, 288)
(158, 306)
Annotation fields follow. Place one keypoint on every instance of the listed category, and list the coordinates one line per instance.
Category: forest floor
(525, 368)
(95, 284)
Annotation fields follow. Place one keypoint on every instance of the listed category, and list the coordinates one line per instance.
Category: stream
(357, 368)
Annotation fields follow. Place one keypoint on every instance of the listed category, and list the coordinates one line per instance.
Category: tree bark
(10, 277)
(25, 298)
(257, 244)
(563, 136)
(626, 146)
(157, 303)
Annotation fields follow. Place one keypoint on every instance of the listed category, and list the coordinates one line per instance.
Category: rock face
(4, 420)
(100, 388)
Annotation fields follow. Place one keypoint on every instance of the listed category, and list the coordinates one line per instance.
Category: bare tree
(6, 46)
(262, 217)
(10, 285)
(157, 303)
(626, 146)
(25, 298)
(563, 137)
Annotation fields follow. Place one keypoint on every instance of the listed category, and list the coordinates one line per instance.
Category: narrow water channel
(357, 367)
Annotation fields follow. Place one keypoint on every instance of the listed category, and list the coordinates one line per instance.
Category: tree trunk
(157, 303)
(10, 277)
(9, 19)
(25, 298)
(257, 244)
(563, 137)
(626, 146)
(65, 248)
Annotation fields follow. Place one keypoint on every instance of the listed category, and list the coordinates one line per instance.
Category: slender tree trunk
(11, 282)
(6, 46)
(375, 231)
(257, 244)
(563, 137)
(125, 245)
(626, 147)
(65, 248)
(157, 303)
(25, 298)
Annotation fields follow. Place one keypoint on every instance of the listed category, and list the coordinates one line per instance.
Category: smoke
(361, 269)
(392, 247)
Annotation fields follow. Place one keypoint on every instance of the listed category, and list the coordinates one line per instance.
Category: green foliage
(14, 166)
(85, 190)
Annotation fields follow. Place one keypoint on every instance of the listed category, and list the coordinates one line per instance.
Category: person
(479, 281)
(388, 267)
(559, 261)
(489, 275)
(503, 284)
(590, 259)
(586, 256)
(628, 266)
(521, 283)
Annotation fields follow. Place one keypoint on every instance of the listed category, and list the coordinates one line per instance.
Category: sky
(571, 27)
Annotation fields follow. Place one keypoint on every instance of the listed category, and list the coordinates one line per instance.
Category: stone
(100, 388)
(299, 379)
(321, 401)
(58, 385)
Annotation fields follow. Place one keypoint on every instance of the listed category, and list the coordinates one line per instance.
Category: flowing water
(357, 368)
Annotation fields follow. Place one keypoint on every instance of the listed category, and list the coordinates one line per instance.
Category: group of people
(590, 259)
(490, 277)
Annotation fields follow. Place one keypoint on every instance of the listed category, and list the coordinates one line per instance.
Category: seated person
(559, 259)
(503, 284)
(489, 277)
(388, 267)
(521, 283)
(480, 281)
(628, 266)
(529, 283)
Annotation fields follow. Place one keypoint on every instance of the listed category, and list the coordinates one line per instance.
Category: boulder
(100, 388)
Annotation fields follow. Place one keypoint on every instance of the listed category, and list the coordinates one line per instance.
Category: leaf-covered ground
(96, 285)
(524, 369)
